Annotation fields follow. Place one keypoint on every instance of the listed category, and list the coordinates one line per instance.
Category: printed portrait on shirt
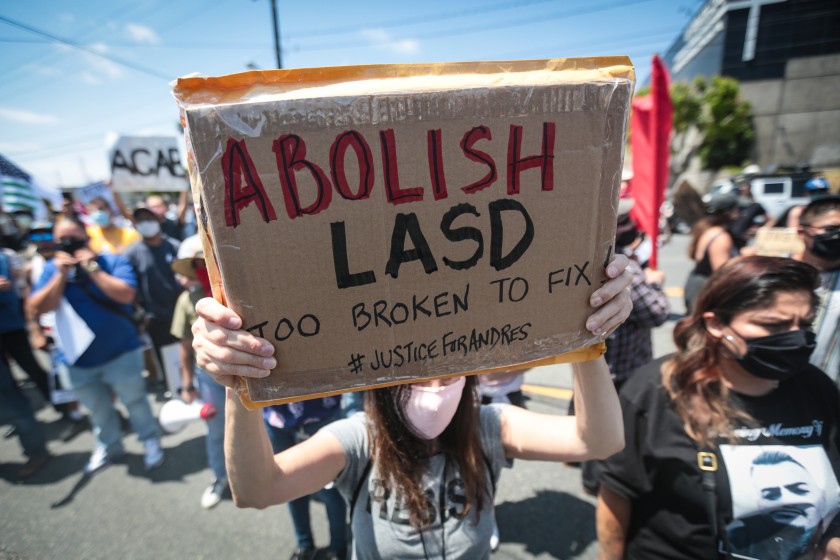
(783, 499)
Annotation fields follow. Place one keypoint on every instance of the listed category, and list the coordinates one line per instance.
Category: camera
(70, 245)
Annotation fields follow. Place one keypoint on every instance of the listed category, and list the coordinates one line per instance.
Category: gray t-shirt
(380, 526)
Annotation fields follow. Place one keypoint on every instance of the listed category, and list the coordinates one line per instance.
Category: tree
(711, 122)
(726, 124)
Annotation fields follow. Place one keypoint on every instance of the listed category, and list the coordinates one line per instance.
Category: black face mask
(779, 356)
(626, 238)
(70, 244)
(827, 245)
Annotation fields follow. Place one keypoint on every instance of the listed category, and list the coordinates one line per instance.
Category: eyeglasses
(829, 229)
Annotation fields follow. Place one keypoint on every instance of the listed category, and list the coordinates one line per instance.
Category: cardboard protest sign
(92, 191)
(778, 242)
(387, 224)
(147, 163)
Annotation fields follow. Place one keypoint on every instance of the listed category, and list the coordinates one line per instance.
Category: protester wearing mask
(94, 292)
(170, 228)
(630, 346)
(418, 468)
(158, 289)
(820, 232)
(697, 424)
(106, 236)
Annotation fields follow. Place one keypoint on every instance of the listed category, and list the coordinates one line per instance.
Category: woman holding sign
(419, 467)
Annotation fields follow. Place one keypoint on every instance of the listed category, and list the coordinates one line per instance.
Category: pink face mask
(430, 409)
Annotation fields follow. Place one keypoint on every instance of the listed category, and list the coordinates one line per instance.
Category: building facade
(786, 53)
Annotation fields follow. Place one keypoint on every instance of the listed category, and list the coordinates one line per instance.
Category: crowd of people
(730, 447)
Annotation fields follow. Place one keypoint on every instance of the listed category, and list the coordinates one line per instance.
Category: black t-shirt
(157, 287)
(776, 485)
(173, 229)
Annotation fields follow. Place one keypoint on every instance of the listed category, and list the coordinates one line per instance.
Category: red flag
(650, 133)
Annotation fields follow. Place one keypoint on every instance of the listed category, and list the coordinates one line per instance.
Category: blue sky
(59, 105)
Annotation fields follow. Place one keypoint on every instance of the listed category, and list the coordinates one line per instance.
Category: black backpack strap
(708, 463)
(358, 490)
(108, 304)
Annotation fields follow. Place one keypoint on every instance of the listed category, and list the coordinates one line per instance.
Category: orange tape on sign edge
(580, 355)
(191, 90)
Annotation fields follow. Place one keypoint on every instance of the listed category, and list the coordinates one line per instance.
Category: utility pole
(276, 33)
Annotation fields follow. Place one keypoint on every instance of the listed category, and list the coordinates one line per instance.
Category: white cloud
(20, 147)
(89, 78)
(103, 65)
(384, 40)
(142, 34)
(27, 117)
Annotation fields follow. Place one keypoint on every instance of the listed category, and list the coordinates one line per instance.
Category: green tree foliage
(726, 124)
(723, 120)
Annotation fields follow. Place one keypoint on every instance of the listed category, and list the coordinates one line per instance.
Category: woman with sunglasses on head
(419, 467)
(726, 438)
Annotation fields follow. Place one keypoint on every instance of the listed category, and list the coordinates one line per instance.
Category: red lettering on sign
(517, 164)
(351, 139)
(435, 151)
(290, 151)
(236, 163)
(393, 192)
(470, 138)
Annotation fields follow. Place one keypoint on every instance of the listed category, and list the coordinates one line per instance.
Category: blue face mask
(100, 218)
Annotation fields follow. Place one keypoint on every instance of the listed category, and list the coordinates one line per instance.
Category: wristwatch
(91, 266)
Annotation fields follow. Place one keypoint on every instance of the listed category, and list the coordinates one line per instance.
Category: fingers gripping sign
(226, 351)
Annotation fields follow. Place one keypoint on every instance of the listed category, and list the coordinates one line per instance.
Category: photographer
(95, 293)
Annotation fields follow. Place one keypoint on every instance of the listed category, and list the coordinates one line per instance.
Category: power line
(477, 28)
(402, 22)
(73, 44)
(122, 14)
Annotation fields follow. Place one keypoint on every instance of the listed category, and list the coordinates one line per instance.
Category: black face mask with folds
(827, 245)
(779, 356)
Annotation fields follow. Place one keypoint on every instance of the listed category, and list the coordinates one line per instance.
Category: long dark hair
(692, 377)
(401, 456)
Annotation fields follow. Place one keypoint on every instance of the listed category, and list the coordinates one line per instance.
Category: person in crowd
(158, 289)
(14, 336)
(97, 291)
(630, 346)
(30, 432)
(418, 467)
(106, 236)
(288, 425)
(817, 188)
(751, 216)
(40, 328)
(194, 269)
(712, 244)
(739, 384)
(819, 230)
(171, 228)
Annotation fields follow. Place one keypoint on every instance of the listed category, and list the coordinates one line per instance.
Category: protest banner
(388, 224)
(147, 163)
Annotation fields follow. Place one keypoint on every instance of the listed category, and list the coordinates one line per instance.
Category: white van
(775, 192)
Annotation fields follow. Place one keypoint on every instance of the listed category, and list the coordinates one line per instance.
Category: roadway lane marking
(553, 392)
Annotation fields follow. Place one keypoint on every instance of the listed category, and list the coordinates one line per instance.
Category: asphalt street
(123, 512)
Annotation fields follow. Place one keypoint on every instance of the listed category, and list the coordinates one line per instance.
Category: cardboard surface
(388, 224)
(778, 242)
